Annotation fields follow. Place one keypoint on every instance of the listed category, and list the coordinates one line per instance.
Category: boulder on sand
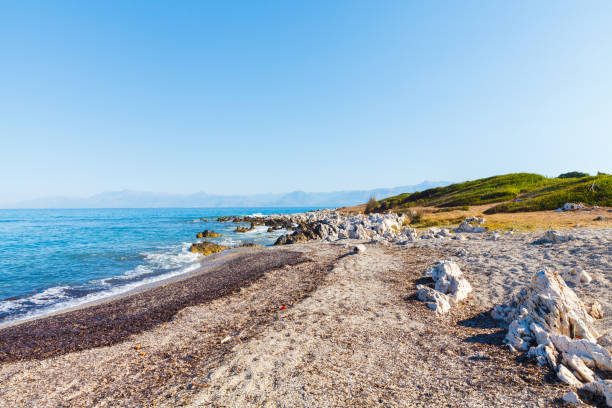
(467, 227)
(360, 248)
(451, 287)
(553, 237)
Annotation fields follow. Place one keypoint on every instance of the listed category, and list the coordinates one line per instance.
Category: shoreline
(206, 263)
(112, 320)
(311, 324)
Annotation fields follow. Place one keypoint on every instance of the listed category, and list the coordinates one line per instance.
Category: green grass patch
(515, 192)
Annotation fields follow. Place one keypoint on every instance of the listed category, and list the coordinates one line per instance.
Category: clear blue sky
(262, 96)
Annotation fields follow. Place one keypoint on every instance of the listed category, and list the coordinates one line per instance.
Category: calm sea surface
(54, 259)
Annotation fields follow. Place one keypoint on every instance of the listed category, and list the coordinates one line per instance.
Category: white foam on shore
(57, 298)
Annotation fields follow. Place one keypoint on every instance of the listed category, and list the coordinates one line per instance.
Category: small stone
(359, 248)
(572, 398)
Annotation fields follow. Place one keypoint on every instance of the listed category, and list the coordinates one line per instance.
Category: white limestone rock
(575, 363)
(572, 207)
(467, 227)
(552, 236)
(388, 225)
(451, 287)
(572, 398)
(476, 220)
(567, 377)
(600, 387)
(360, 248)
(595, 310)
(450, 280)
(544, 355)
(358, 233)
(436, 301)
(577, 276)
(591, 353)
(551, 304)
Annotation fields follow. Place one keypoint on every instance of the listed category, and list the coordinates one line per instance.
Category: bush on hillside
(573, 174)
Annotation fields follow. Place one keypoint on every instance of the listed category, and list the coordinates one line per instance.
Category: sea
(53, 259)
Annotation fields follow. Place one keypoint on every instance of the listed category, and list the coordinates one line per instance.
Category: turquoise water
(54, 259)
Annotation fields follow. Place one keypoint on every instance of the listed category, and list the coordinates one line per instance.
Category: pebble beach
(312, 323)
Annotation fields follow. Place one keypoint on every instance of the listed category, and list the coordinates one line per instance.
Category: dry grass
(521, 221)
(524, 221)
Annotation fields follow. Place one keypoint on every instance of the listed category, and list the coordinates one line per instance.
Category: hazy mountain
(140, 199)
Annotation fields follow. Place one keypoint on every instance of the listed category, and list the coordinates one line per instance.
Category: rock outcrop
(245, 229)
(208, 234)
(549, 321)
(553, 237)
(207, 248)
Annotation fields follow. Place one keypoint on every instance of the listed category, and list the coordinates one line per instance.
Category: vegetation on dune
(515, 192)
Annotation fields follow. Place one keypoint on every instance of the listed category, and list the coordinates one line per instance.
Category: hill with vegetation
(515, 192)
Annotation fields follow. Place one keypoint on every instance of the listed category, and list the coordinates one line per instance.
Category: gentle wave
(159, 266)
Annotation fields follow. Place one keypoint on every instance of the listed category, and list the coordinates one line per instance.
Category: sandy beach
(310, 324)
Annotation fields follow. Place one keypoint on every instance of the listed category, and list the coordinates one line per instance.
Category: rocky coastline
(357, 309)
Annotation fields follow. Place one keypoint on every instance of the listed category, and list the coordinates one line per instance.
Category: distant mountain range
(139, 199)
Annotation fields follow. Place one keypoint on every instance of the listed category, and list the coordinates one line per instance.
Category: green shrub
(371, 205)
(573, 174)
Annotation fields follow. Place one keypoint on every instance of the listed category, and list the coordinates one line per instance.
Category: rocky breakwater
(548, 321)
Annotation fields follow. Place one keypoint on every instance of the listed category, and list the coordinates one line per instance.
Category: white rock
(575, 363)
(359, 233)
(544, 355)
(552, 236)
(572, 398)
(467, 227)
(595, 310)
(450, 281)
(410, 234)
(572, 207)
(476, 220)
(577, 277)
(444, 232)
(388, 225)
(437, 301)
(591, 353)
(567, 377)
(550, 303)
(360, 248)
(600, 387)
